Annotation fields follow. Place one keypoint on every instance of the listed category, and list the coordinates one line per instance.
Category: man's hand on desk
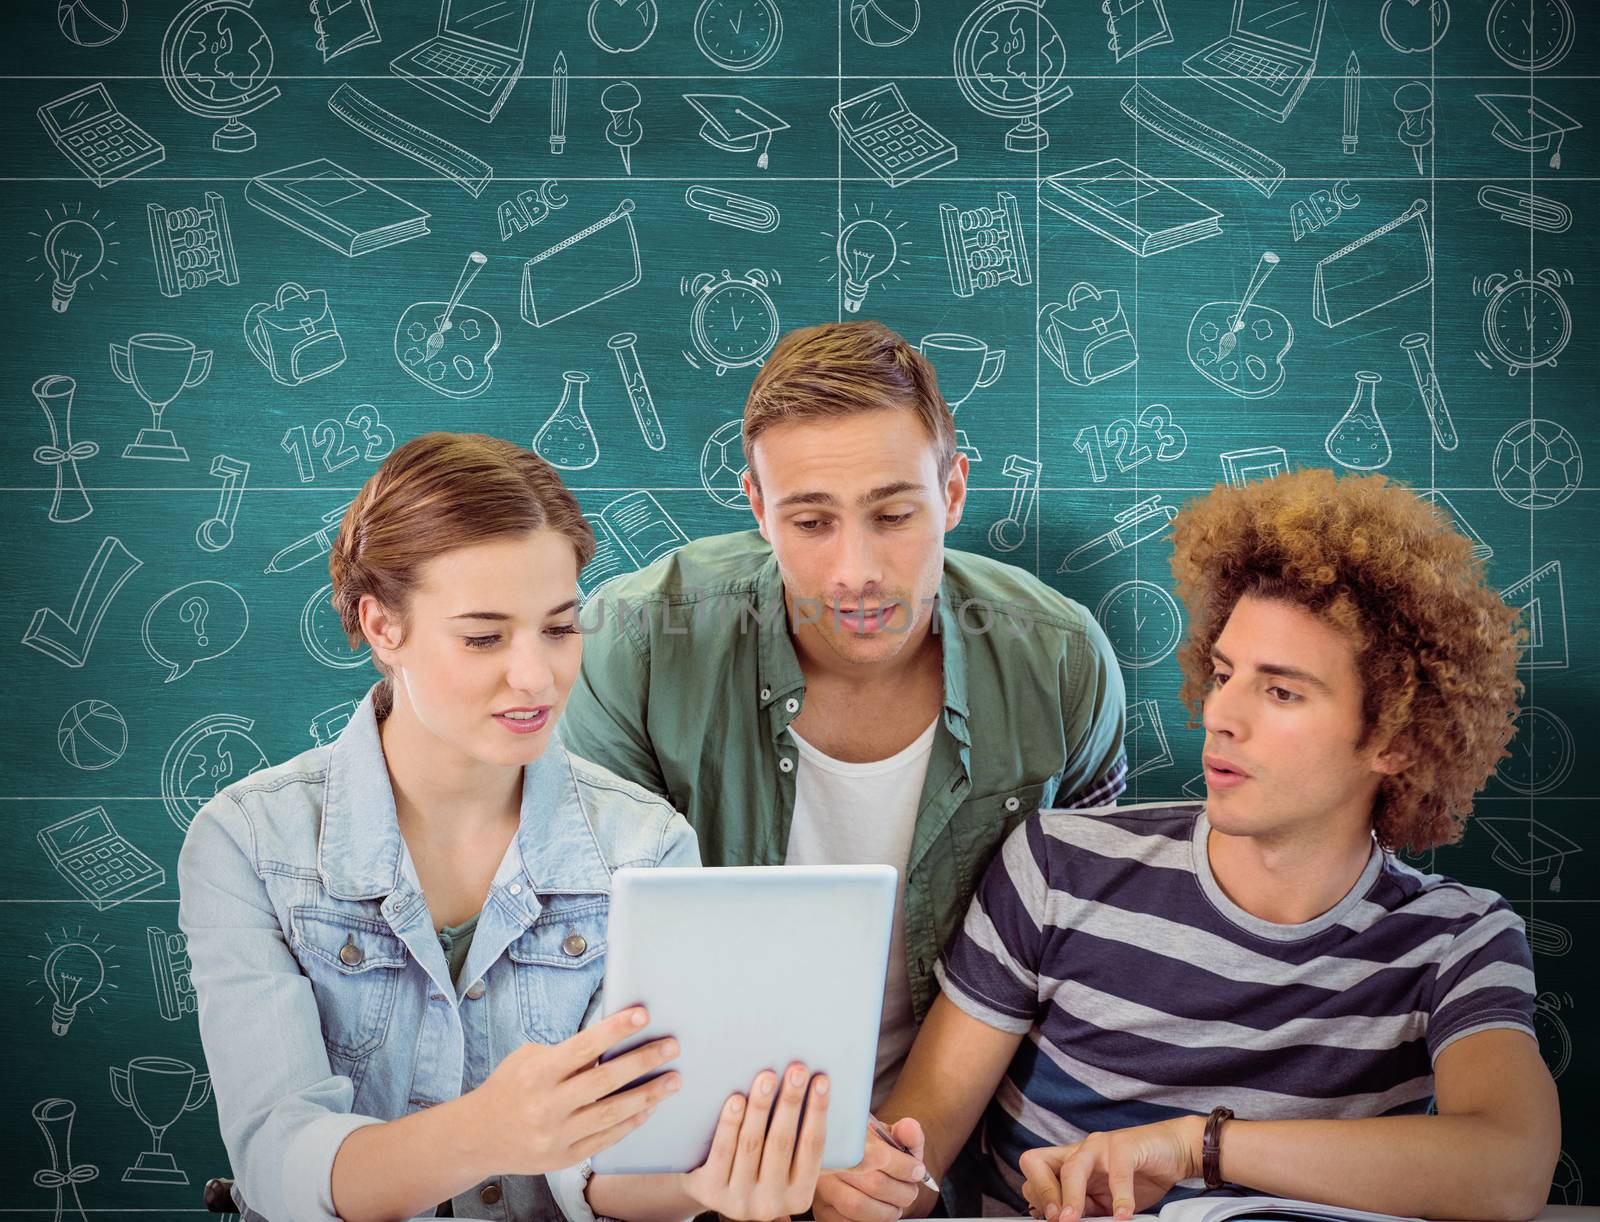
(881, 1187)
(1113, 1174)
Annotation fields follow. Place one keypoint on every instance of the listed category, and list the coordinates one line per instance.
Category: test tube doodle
(639, 397)
(1444, 427)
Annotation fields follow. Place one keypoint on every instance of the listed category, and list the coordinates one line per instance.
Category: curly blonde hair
(1436, 648)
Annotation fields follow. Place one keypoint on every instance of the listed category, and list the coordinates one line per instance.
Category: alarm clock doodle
(734, 322)
(1526, 322)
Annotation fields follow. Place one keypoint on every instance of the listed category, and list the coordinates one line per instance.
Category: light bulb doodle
(866, 252)
(75, 249)
(74, 975)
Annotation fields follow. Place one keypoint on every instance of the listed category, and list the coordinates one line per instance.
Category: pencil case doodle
(597, 262)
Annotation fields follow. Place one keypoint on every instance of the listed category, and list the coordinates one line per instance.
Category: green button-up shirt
(690, 681)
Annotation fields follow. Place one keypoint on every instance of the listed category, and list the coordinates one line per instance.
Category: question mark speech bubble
(192, 624)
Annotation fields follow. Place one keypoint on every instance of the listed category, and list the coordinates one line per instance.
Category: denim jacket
(325, 1002)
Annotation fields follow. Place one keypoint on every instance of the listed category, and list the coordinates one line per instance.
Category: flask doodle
(194, 623)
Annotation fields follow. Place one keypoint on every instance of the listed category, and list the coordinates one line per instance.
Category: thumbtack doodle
(192, 624)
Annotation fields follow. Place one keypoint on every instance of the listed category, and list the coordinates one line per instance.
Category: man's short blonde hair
(841, 368)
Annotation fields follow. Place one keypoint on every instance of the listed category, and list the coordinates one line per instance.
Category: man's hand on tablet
(754, 1171)
(545, 1107)
(881, 1187)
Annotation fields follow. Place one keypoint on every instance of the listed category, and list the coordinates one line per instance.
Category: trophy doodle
(159, 1090)
(160, 367)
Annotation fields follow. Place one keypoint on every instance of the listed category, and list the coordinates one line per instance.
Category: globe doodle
(722, 465)
(210, 755)
(225, 54)
(1537, 465)
(215, 61)
(92, 735)
(1010, 62)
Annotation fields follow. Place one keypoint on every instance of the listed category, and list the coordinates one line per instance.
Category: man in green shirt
(836, 686)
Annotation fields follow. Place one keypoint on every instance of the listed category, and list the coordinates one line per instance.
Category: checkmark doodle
(68, 641)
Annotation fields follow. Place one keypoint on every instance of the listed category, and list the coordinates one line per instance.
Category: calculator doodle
(101, 864)
(97, 137)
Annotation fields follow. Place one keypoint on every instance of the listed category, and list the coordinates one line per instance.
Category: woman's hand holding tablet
(549, 1106)
(754, 1171)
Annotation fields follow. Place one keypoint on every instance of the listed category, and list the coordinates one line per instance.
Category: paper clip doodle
(732, 208)
(1375, 270)
(582, 270)
(1526, 209)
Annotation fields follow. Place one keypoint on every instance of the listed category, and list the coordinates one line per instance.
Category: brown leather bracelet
(1211, 1147)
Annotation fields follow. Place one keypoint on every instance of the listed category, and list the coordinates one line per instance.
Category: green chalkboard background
(1498, 302)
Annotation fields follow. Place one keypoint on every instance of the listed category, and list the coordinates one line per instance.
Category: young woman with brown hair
(398, 939)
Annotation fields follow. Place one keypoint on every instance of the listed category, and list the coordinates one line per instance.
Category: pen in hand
(881, 1131)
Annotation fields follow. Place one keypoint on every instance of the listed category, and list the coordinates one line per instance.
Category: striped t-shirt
(1146, 993)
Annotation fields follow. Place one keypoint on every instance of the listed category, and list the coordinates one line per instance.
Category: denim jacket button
(766, 693)
(350, 954)
(515, 888)
(490, 1194)
(791, 704)
(786, 765)
(575, 944)
(476, 991)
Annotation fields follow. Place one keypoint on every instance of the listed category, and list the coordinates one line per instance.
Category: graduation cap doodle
(1524, 123)
(1528, 847)
(735, 123)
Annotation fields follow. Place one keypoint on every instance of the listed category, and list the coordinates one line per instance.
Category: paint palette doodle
(448, 346)
(1239, 345)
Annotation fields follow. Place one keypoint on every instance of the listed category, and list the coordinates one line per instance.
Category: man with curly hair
(1253, 992)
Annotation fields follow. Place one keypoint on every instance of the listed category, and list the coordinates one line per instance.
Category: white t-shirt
(864, 814)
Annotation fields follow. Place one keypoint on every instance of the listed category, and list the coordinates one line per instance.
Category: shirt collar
(361, 854)
(779, 668)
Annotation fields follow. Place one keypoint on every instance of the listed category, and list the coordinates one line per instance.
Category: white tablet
(749, 968)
